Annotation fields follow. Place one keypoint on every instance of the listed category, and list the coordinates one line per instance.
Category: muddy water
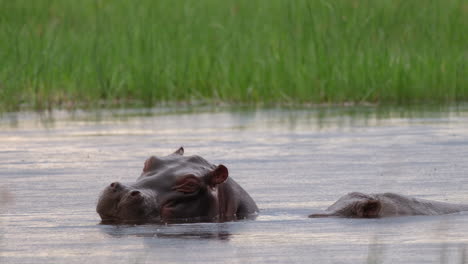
(293, 163)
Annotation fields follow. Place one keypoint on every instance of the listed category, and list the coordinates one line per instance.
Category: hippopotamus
(176, 188)
(360, 205)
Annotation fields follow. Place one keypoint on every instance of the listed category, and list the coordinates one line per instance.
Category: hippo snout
(135, 193)
(120, 202)
(132, 196)
(115, 186)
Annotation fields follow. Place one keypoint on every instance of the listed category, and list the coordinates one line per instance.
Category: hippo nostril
(135, 193)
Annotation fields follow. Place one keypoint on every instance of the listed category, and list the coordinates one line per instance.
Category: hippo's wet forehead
(163, 176)
(181, 161)
(173, 166)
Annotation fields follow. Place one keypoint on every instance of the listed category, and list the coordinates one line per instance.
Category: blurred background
(119, 53)
(303, 101)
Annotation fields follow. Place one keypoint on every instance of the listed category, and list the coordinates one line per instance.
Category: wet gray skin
(360, 205)
(176, 188)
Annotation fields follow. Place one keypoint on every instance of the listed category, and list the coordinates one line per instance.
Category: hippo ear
(217, 176)
(187, 184)
(369, 208)
(180, 151)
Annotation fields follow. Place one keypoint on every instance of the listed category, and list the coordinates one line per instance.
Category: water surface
(292, 162)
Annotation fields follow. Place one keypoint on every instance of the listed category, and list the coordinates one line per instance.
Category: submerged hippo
(176, 188)
(360, 205)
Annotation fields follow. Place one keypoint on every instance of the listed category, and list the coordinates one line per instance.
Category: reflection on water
(293, 162)
(455, 253)
(5, 196)
(318, 116)
(218, 231)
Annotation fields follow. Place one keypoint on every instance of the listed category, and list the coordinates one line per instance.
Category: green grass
(59, 53)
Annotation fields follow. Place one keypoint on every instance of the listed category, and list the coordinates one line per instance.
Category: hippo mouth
(112, 220)
(108, 219)
(144, 216)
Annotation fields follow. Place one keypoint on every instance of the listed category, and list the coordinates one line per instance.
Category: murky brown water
(293, 162)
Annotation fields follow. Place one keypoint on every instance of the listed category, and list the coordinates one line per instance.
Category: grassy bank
(58, 52)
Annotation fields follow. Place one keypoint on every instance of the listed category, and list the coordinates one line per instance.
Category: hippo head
(122, 203)
(353, 205)
(170, 188)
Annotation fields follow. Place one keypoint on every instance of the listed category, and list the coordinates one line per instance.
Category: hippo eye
(187, 184)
